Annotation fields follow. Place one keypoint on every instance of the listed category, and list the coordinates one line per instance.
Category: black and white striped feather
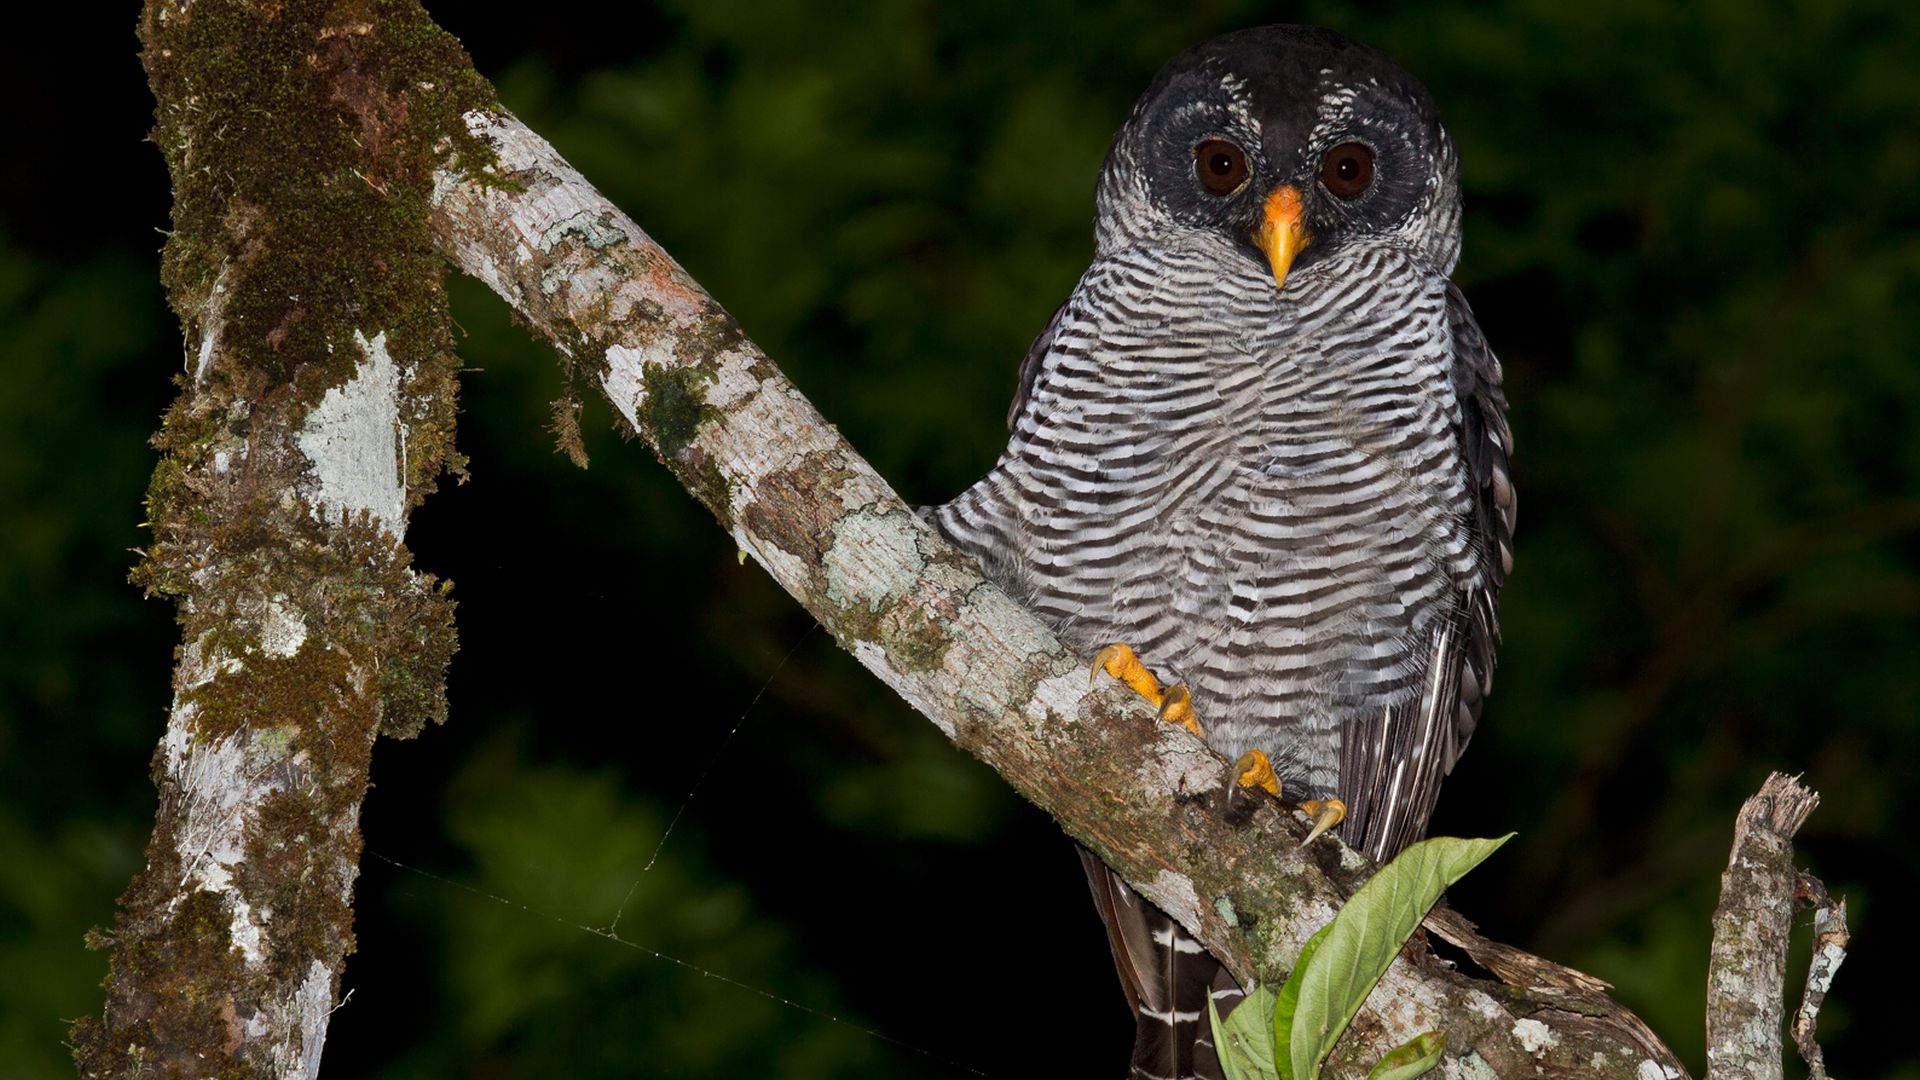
(1167, 978)
(1294, 500)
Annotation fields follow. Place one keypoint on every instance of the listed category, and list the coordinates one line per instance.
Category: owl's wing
(1392, 762)
(1486, 443)
(1030, 367)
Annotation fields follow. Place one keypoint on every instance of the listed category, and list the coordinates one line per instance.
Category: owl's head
(1293, 142)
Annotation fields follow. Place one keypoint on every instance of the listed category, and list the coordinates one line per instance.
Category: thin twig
(1830, 939)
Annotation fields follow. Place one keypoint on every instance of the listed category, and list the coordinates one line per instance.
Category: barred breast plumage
(1278, 472)
(1261, 490)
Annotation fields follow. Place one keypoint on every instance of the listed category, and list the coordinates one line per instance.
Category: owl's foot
(1175, 702)
(1326, 813)
(1254, 770)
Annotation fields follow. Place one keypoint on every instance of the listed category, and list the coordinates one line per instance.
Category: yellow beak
(1282, 233)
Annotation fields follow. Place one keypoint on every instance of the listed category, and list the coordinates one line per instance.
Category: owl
(1258, 461)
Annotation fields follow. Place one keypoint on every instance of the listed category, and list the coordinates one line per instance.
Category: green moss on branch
(301, 137)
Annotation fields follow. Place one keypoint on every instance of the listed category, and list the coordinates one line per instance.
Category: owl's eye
(1347, 170)
(1222, 166)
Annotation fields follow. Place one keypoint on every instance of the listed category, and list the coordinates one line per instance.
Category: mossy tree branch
(317, 406)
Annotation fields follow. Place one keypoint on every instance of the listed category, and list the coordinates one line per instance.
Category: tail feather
(1167, 977)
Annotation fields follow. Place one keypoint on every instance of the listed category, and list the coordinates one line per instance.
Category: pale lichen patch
(1351, 860)
(1181, 764)
(1174, 894)
(1224, 908)
(301, 1031)
(354, 443)
(788, 569)
(202, 661)
(874, 559)
(734, 378)
(1533, 1036)
(762, 409)
(213, 319)
(623, 383)
(1470, 1067)
(1056, 698)
(875, 659)
(246, 933)
(282, 628)
(999, 655)
(1481, 1002)
(596, 230)
(1412, 1008)
(211, 840)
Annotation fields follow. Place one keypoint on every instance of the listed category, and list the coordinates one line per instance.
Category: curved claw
(1108, 660)
(1176, 707)
(1120, 662)
(1326, 813)
(1254, 769)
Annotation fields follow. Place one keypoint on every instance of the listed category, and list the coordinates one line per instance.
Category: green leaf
(1343, 961)
(1288, 1003)
(1244, 1040)
(1411, 1058)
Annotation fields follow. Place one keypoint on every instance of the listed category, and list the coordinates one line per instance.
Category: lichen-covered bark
(1747, 968)
(316, 407)
(1829, 951)
(795, 496)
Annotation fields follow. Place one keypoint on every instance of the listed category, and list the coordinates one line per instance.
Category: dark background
(1691, 237)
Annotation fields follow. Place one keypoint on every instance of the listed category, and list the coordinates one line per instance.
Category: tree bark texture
(1147, 796)
(1747, 968)
(1830, 940)
(316, 407)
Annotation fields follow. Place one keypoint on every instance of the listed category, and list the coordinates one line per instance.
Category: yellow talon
(1326, 813)
(1175, 703)
(1176, 707)
(1254, 770)
(1120, 662)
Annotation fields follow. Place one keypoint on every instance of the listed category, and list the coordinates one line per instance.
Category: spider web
(610, 931)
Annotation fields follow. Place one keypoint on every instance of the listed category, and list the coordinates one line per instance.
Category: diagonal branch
(992, 676)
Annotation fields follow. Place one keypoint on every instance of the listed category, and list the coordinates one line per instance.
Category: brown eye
(1222, 166)
(1347, 170)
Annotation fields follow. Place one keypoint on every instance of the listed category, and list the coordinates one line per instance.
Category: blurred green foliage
(1693, 236)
